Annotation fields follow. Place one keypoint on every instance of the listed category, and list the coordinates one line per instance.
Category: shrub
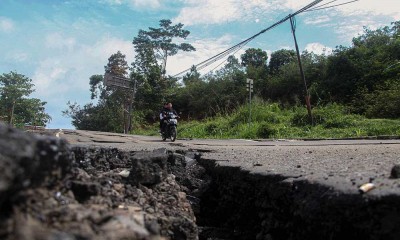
(266, 130)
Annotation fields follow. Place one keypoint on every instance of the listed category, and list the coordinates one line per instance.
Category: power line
(226, 59)
(243, 43)
(326, 3)
(320, 8)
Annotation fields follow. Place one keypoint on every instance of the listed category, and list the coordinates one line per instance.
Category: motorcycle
(170, 125)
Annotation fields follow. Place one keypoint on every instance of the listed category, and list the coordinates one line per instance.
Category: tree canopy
(158, 42)
(16, 108)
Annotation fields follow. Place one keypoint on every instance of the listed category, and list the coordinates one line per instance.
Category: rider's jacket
(164, 112)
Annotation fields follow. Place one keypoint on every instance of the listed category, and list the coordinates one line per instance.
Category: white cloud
(68, 74)
(354, 27)
(20, 57)
(58, 41)
(294, 4)
(269, 52)
(6, 24)
(221, 11)
(318, 48)
(105, 47)
(389, 8)
(372, 7)
(46, 76)
(317, 20)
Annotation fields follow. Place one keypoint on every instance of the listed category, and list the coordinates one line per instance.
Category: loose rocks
(49, 190)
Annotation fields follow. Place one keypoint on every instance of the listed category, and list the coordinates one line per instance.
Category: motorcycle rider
(164, 114)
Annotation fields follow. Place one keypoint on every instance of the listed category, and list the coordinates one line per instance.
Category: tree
(118, 66)
(191, 77)
(98, 117)
(255, 61)
(159, 41)
(32, 111)
(15, 106)
(152, 46)
(232, 66)
(110, 112)
(254, 57)
(280, 58)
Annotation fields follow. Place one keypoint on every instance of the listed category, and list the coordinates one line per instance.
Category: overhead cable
(244, 42)
(326, 3)
(320, 8)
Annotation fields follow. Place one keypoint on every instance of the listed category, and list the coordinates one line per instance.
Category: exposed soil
(52, 190)
(49, 190)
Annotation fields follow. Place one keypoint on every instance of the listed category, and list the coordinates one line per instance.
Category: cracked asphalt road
(343, 165)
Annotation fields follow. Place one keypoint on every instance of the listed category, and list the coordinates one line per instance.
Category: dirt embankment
(49, 190)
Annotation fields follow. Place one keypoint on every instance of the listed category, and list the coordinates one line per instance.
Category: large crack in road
(142, 188)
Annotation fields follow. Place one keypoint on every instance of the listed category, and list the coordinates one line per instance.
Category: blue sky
(59, 44)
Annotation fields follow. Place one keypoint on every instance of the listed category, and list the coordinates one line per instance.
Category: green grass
(273, 122)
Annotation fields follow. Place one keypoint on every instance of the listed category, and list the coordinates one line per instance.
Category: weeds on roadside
(270, 121)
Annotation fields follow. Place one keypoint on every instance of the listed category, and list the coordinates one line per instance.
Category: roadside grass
(270, 121)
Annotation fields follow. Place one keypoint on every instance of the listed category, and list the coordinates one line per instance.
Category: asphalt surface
(343, 165)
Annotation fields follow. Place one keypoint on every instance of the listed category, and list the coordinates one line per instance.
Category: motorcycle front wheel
(173, 134)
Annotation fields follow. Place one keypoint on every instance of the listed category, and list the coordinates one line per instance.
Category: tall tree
(153, 47)
(159, 40)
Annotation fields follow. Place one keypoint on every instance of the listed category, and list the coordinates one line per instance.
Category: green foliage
(95, 118)
(151, 46)
(15, 105)
(254, 57)
(117, 65)
(266, 130)
(331, 116)
(333, 121)
(359, 75)
(220, 93)
(280, 58)
(110, 113)
(384, 102)
(191, 77)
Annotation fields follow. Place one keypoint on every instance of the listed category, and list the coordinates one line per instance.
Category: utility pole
(307, 97)
(249, 87)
